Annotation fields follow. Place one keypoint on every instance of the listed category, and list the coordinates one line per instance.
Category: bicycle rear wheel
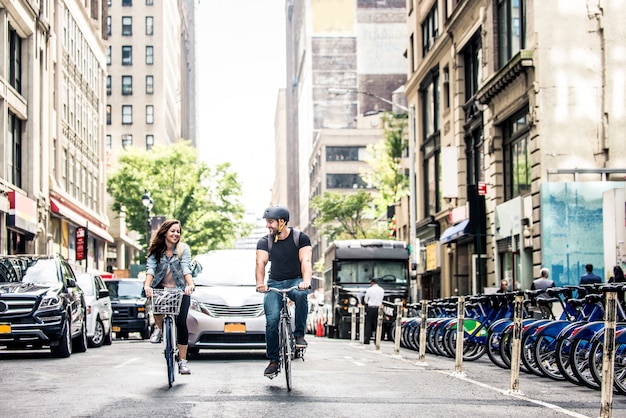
(169, 349)
(285, 334)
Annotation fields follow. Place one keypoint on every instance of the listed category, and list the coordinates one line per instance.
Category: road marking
(127, 362)
(353, 361)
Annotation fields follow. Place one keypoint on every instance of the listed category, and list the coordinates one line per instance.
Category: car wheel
(98, 334)
(79, 344)
(63, 348)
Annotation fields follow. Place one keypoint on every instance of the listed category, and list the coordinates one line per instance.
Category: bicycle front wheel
(285, 346)
(169, 349)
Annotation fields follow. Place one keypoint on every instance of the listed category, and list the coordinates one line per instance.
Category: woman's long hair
(157, 245)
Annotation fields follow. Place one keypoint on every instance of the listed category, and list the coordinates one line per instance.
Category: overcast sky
(241, 66)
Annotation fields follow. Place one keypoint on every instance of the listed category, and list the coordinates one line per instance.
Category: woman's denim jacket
(178, 266)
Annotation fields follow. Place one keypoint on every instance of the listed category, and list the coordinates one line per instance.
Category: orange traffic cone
(320, 328)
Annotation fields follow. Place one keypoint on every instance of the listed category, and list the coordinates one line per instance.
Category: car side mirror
(71, 283)
(103, 293)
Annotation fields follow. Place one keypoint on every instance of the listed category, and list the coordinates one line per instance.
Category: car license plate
(5, 328)
(116, 329)
(235, 327)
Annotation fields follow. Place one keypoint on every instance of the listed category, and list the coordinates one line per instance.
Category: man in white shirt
(373, 299)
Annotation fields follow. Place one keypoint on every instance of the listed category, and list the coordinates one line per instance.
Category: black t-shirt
(285, 256)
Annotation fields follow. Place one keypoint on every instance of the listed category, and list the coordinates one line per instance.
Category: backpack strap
(296, 240)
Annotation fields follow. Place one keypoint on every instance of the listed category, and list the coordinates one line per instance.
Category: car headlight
(199, 307)
(50, 302)
(353, 301)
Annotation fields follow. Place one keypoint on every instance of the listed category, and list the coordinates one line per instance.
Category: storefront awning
(65, 212)
(455, 232)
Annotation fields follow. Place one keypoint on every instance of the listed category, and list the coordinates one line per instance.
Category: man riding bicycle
(290, 253)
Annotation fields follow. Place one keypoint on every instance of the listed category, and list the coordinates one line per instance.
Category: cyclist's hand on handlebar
(189, 289)
(304, 286)
(148, 291)
(262, 288)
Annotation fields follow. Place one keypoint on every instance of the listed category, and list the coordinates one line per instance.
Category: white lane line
(353, 361)
(127, 362)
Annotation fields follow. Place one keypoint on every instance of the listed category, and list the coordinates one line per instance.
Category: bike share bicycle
(287, 349)
(167, 302)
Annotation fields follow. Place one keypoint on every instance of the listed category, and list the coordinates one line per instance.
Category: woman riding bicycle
(291, 266)
(168, 266)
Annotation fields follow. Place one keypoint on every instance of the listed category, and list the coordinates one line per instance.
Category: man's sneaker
(301, 342)
(271, 370)
(157, 335)
(183, 368)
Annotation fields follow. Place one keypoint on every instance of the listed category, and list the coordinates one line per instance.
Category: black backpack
(296, 240)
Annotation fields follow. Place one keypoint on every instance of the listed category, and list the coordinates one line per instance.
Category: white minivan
(99, 310)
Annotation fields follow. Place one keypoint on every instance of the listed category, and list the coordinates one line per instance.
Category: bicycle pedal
(271, 376)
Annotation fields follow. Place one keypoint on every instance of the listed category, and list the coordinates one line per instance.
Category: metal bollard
(398, 333)
(608, 355)
(353, 311)
(361, 323)
(516, 344)
(379, 326)
(460, 329)
(423, 324)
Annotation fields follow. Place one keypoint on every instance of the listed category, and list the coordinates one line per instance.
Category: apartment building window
(127, 2)
(108, 114)
(70, 172)
(472, 62)
(109, 55)
(149, 2)
(127, 55)
(475, 156)
(15, 60)
(127, 141)
(109, 85)
(430, 30)
(451, 6)
(516, 138)
(127, 26)
(127, 85)
(149, 55)
(149, 25)
(109, 3)
(79, 180)
(127, 114)
(149, 114)
(64, 170)
(108, 142)
(109, 26)
(446, 87)
(345, 153)
(15, 143)
(511, 29)
(149, 84)
(345, 181)
(431, 146)
(149, 142)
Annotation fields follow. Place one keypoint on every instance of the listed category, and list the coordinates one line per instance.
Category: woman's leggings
(182, 333)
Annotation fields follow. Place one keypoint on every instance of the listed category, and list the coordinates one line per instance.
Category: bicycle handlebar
(273, 289)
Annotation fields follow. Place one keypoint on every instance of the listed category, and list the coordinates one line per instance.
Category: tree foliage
(205, 199)
(386, 160)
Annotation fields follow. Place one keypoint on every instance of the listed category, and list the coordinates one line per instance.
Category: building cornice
(496, 84)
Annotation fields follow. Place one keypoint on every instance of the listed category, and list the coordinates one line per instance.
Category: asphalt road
(338, 379)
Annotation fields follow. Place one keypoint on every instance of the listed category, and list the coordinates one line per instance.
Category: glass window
(431, 147)
(109, 26)
(108, 144)
(345, 181)
(127, 55)
(345, 153)
(149, 142)
(15, 142)
(127, 85)
(149, 2)
(149, 25)
(127, 141)
(108, 85)
(149, 114)
(472, 58)
(127, 2)
(149, 84)
(517, 165)
(15, 60)
(108, 114)
(109, 55)
(511, 27)
(149, 55)
(127, 26)
(430, 30)
(127, 114)
(474, 150)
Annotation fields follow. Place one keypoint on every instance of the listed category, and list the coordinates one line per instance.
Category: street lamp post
(147, 201)
(412, 181)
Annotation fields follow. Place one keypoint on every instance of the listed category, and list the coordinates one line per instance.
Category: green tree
(206, 200)
(386, 160)
(344, 216)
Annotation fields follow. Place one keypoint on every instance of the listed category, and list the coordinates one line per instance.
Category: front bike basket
(166, 301)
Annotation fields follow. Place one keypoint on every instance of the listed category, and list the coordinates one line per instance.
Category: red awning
(65, 212)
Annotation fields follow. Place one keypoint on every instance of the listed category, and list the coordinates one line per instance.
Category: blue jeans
(272, 304)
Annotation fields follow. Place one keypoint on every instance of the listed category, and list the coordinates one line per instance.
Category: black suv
(131, 308)
(41, 305)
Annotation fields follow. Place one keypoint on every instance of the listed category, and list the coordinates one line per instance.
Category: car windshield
(227, 268)
(29, 271)
(125, 289)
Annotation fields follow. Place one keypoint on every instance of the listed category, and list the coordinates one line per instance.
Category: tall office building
(151, 93)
